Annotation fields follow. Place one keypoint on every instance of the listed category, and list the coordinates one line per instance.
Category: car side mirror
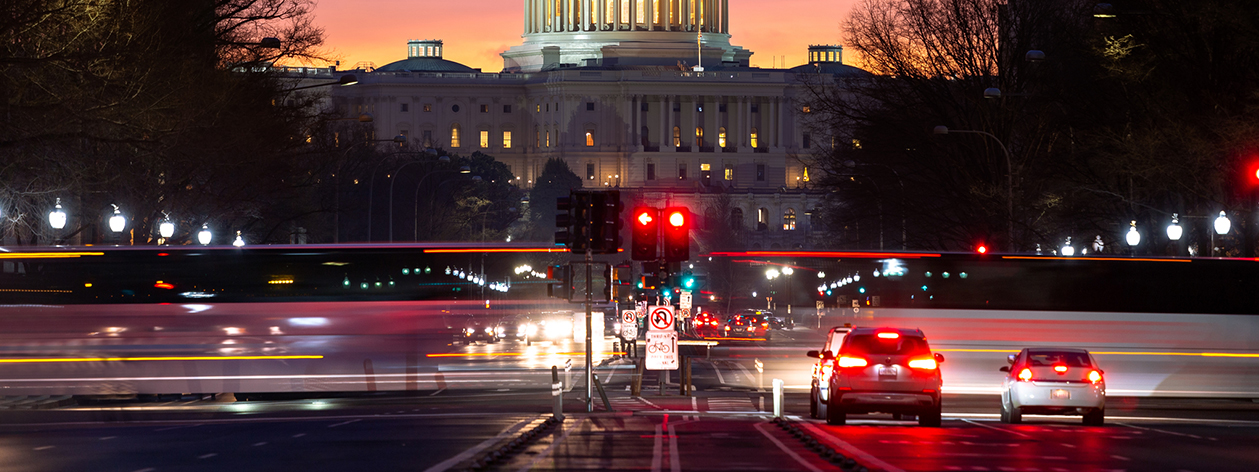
(1010, 359)
(1004, 368)
(813, 354)
(827, 355)
(939, 358)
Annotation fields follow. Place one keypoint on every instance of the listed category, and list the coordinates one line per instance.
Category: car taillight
(889, 335)
(1095, 376)
(727, 328)
(845, 362)
(1061, 369)
(714, 323)
(1025, 375)
(827, 368)
(925, 364)
(764, 325)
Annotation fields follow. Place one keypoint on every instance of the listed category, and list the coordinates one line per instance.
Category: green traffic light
(688, 282)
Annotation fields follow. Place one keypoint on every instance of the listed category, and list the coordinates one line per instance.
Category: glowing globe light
(57, 217)
(1222, 224)
(117, 223)
(239, 242)
(204, 235)
(1174, 231)
(166, 229)
(1067, 250)
(1133, 237)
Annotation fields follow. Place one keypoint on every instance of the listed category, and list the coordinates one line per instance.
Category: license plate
(887, 371)
(1060, 394)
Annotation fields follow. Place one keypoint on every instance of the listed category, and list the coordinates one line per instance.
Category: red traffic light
(982, 249)
(677, 218)
(645, 234)
(645, 218)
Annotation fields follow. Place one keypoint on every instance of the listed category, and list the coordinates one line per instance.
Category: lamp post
(900, 182)
(942, 130)
(57, 219)
(1222, 225)
(1133, 237)
(416, 217)
(442, 159)
(787, 271)
(1067, 250)
(879, 201)
(336, 216)
(239, 242)
(204, 235)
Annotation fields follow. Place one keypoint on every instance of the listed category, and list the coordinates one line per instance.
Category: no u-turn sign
(660, 318)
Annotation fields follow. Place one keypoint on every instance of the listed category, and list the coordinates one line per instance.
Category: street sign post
(684, 302)
(660, 318)
(662, 350)
(629, 317)
(629, 331)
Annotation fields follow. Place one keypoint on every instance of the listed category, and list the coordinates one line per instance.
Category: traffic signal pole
(590, 372)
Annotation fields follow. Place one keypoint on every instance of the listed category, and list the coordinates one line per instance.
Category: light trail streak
(1123, 353)
(141, 359)
(515, 354)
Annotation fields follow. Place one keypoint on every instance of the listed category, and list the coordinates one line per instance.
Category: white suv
(885, 370)
(1053, 381)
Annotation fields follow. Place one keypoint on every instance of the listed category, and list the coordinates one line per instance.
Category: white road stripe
(546, 452)
(440, 390)
(657, 450)
(42, 448)
(206, 456)
(1122, 458)
(994, 428)
(675, 464)
(345, 423)
(298, 435)
(852, 450)
(720, 378)
(177, 427)
(451, 462)
(806, 464)
(1173, 433)
(106, 438)
(264, 443)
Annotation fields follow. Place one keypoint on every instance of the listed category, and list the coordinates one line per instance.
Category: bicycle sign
(660, 318)
(662, 350)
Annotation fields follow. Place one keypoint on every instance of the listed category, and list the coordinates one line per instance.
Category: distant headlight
(501, 330)
(489, 330)
(468, 331)
(531, 329)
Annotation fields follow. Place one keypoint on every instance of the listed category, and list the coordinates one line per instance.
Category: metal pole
(590, 405)
(778, 398)
(557, 392)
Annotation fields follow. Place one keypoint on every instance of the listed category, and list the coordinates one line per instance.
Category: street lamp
(1133, 236)
(1222, 224)
(57, 217)
(1067, 250)
(396, 173)
(166, 229)
(416, 216)
(204, 235)
(1009, 173)
(239, 242)
(1174, 231)
(117, 223)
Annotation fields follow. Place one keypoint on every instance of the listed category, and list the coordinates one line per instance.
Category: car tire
(897, 417)
(813, 403)
(1095, 417)
(1015, 414)
(835, 415)
(1005, 412)
(931, 418)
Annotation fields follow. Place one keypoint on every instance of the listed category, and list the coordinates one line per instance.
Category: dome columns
(558, 16)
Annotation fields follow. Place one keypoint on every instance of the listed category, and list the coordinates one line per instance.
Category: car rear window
(1049, 358)
(902, 346)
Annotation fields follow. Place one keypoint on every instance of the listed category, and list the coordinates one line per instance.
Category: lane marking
(465, 455)
(720, 378)
(106, 438)
(657, 449)
(256, 420)
(1173, 433)
(546, 452)
(207, 456)
(146, 469)
(806, 464)
(694, 403)
(852, 450)
(994, 428)
(345, 423)
(653, 405)
(989, 416)
(177, 427)
(675, 461)
(139, 359)
(44, 448)
(298, 435)
(1122, 458)
(1072, 446)
(264, 443)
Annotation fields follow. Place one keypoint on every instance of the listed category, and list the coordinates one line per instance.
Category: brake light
(827, 368)
(764, 325)
(889, 335)
(1061, 369)
(845, 362)
(1025, 375)
(1095, 376)
(925, 364)
(714, 323)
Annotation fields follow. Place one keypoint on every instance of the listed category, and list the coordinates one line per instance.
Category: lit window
(539, 108)
(454, 136)
(721, 137)
(590, 137)
(677, 136)
(548, 138)
(428, 107)
(590, 171)
(729, 172)
(699, 136)
(789, 220)
(485, 108)
(806, 174)
(485, 139)
(507, 140)
(754, 141)
(856, 144)
(806, 109)
(705, 167)
(682, 171)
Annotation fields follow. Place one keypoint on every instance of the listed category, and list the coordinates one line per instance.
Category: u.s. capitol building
(647, 96)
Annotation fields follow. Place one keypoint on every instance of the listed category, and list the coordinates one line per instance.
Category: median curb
(826, 453)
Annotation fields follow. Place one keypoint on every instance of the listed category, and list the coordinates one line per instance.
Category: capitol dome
(829, 59)
(425, 56)
(625, 33)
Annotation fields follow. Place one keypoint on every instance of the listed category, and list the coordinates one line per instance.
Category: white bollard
(778, 398)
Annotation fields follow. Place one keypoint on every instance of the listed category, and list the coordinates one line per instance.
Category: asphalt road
(725, 426)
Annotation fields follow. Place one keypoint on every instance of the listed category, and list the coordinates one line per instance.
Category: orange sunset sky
(475, 31)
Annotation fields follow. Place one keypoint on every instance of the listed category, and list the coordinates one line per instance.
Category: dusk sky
(475, 31)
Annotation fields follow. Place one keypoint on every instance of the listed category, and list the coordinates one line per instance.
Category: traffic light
(605, 228)
(575, 217)
(645, 237)
(562, 285)
(677, 237)
(564, 221)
